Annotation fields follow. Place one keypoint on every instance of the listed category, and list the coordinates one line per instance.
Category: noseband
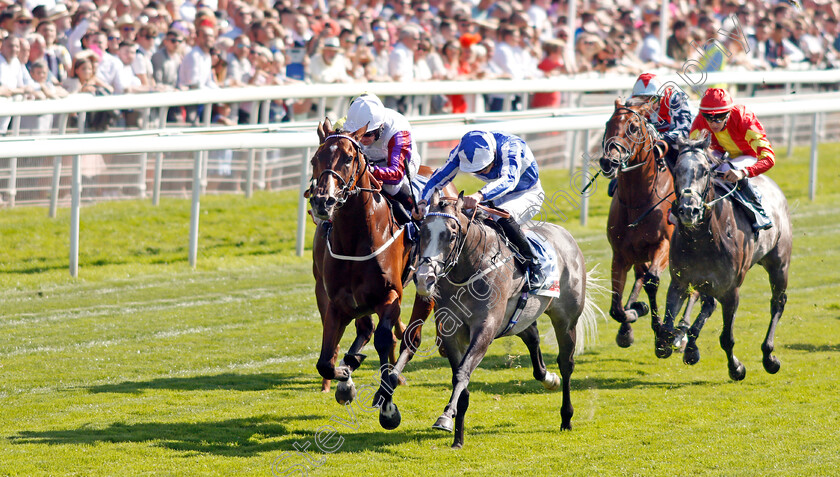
(626, 154)
(348, 189)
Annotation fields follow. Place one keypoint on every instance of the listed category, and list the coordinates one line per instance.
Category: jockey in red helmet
(735, 130)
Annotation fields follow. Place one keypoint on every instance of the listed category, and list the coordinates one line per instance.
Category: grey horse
(714, 247)
(468, 267)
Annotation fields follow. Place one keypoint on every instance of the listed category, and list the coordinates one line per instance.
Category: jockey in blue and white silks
(508, 167)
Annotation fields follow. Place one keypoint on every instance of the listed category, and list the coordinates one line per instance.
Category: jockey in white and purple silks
(508, 166)
(389, 147)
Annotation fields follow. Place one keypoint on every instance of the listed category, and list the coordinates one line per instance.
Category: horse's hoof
(772, 364)
(457, 445)
(680, 340)
(345, 392)
(663, 351)
(738, 373)
(444, 424)
(691, 355)
(624, 338)
(551, 382)
(640, 307)
(389, 416)
(630, 316)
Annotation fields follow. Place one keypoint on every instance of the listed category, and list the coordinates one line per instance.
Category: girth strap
(517, 313)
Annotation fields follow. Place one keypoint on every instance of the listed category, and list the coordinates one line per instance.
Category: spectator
(330, 64)
(167, 59)
(44, 89)
(781, 53)
(126, 80)
(678, 43)
(146, 47)
(82, 77)
(12, 74)
(56, 55)
(23, 23)
(195, 70)
(553, 64)
(381, 55)
(510, 61)
(401, 59)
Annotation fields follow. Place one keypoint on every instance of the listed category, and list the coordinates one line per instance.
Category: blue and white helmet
(476, 151)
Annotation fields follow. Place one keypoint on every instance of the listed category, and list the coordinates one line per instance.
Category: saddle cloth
(548, 259)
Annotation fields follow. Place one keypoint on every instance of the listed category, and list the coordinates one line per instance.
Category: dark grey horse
(470, 270)
(714, 247)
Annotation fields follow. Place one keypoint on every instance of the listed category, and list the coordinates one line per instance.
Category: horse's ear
(357, 135)
(618, 103)
(435, 197)
(460, 203)
(707, 140)
(322, 133)
(328, 129)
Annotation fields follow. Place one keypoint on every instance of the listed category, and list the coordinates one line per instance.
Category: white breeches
(524, 205)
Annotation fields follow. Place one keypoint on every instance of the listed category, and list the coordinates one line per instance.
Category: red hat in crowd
(716, 101)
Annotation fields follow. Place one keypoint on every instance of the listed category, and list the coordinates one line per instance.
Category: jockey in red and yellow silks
(736, 131)
(742, 135)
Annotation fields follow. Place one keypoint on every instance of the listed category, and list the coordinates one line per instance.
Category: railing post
(205, 155)
(144, 157)
(304, 184)
(76, 194)
(56, 180)
(263, 152)
(252, 154)
(584, 199)
(812, 177)
(13, 164)
(163, 112)
(194, 211)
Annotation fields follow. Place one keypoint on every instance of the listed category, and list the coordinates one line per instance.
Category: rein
(348, 189)
(628, 154)
(707, 205)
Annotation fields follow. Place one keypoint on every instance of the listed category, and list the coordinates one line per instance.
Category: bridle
(451, 259)
(348, 188)
(625, 153)
(708, 173)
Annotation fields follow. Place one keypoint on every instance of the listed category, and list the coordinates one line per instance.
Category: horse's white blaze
(427, 272)
(334, 148)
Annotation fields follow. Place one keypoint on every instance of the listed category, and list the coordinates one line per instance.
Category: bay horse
(637, 227)
(713, 249)
(361, 260)
(469, 268)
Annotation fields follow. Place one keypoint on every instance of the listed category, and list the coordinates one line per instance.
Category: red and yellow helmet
(716, 101)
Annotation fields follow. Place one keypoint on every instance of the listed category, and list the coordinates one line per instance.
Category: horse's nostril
(330, 202)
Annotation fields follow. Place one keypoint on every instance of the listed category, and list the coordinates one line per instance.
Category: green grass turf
(144, 366)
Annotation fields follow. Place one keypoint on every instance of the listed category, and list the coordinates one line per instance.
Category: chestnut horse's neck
(365, 218)
(645, 184)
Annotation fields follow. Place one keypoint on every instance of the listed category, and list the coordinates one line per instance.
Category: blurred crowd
(52, 49)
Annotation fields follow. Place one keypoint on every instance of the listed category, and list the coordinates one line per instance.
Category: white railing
(164, 142)
(570, 84)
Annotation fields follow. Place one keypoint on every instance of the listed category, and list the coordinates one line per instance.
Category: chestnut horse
(713, 249)
(360, 261)
(637, 228)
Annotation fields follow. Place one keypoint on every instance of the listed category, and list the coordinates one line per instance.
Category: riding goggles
(716, 118)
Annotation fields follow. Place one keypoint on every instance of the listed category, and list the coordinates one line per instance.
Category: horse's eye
(452, 236)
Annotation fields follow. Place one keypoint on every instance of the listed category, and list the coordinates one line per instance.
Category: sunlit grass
(143, 365)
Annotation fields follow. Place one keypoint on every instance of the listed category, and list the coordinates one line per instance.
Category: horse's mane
(702, 144)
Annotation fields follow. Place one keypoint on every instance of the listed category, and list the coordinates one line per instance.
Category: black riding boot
(762, 221)
(531, 262)
(402, 204)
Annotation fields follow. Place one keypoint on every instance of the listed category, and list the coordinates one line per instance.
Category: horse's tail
(587, 325)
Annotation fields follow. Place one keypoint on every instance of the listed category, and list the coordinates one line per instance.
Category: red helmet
(715, 101)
